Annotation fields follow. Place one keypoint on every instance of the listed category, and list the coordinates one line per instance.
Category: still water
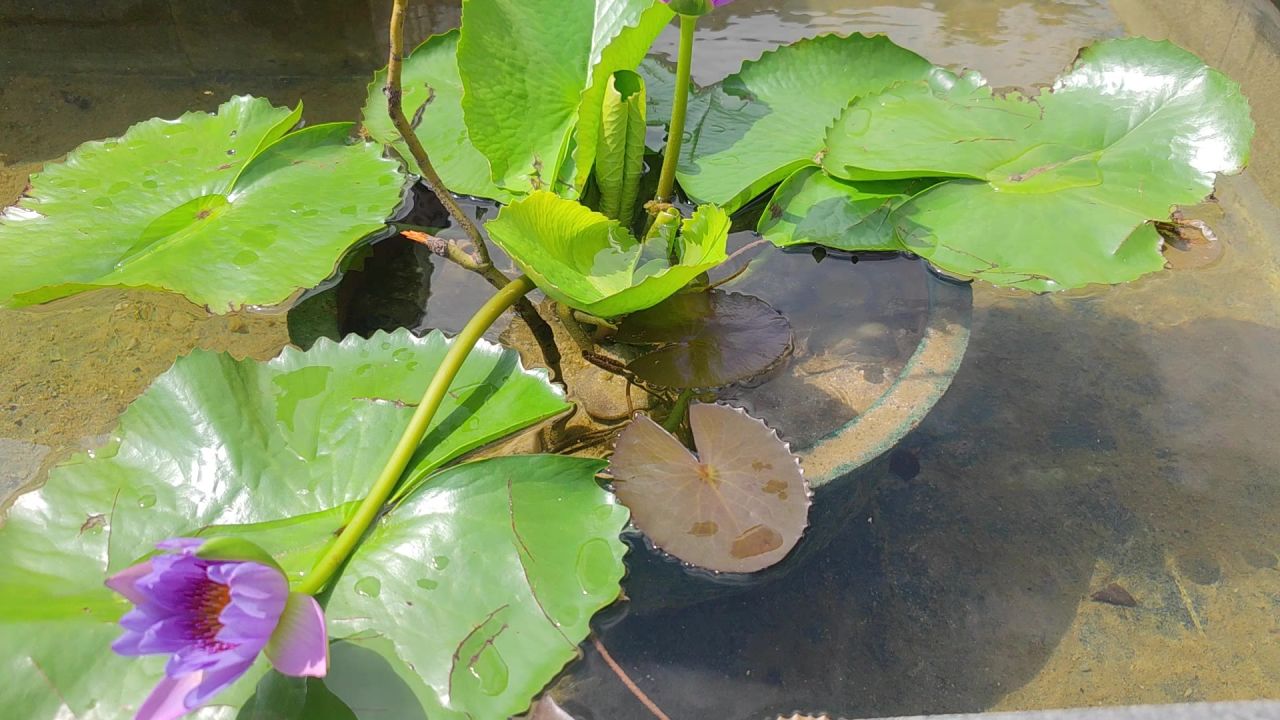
(1122, 435)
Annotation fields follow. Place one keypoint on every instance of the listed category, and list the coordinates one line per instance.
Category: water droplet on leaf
(370, 587)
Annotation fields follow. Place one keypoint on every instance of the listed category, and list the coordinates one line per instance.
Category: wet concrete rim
(922, 382)
(1260, 710)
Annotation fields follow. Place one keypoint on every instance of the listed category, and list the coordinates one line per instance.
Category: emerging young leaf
(275, 453)
(534, 70)
(220, 208)
(1060, 188)
(760, 125)
(620, 155)
(432, 93)
(587, 261)
(706, 339)
(739, 505)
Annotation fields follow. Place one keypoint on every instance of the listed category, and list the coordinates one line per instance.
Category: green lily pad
(587, 261)
(225, 209)
(706, 339)
(484, 581)
(534, 71)
(277, 452)
(756, 127)
(739, 505)
(945, 126)
(432, 93)
(811, 207)
(1061, 188)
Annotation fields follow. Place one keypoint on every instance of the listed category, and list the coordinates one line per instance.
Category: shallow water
(1119, 435)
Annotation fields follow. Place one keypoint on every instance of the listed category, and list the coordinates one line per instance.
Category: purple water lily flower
(213, 613)
(695, 7)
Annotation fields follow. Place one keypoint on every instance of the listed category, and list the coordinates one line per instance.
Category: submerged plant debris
(706, 340)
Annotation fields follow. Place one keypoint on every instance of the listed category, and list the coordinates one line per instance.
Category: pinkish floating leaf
(547, 709)
(739, 505)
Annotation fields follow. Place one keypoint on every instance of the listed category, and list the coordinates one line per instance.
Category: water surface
(1120, 435)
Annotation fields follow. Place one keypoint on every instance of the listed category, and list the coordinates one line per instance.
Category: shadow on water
(1072, 451)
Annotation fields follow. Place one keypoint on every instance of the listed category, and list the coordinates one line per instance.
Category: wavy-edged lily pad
(706, 339)
(811, 207)
(277, 452)
(223, 208)
(583, 259)
(769, 119)
(739, 505)
(534, 71)
(484, 581)
(432, 94)
(1055, 192)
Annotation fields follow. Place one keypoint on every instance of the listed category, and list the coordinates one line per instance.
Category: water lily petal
(217, 678)
(300, 645)
(125, 582)
(168, 700)
(184, 545)
(253, 583)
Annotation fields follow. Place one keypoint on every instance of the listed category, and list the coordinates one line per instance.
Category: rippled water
(1120, 435)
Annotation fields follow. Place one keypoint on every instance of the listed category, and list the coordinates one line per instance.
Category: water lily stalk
(395, 106)
(386, 483)
(678, 410)
(479, 263)
(679, 108)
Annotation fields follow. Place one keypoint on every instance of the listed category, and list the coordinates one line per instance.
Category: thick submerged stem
(679, 109)
(387, 480)
(678, 410)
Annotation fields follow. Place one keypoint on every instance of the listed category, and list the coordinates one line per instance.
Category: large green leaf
(432, 94)
(762, 124)
(813, 207)
(533, 70)
(484, 581)
(288, 444)
(1062, 187)
(585, 260)
(945, 126)
(186, 205)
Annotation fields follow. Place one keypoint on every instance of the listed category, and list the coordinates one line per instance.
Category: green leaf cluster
(468, 595)
(590, 262)
(1048, 192)
(517, 100)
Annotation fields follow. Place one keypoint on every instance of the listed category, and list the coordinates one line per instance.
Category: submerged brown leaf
(706, 339)
(739, 505)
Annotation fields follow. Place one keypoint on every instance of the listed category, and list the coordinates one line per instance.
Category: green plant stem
(480, 262)
(676, 416)
(679, 109)
(395, 107)
(386, 483)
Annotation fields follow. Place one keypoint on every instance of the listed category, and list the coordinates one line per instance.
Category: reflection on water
(1014, 42)
(1119, 435)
